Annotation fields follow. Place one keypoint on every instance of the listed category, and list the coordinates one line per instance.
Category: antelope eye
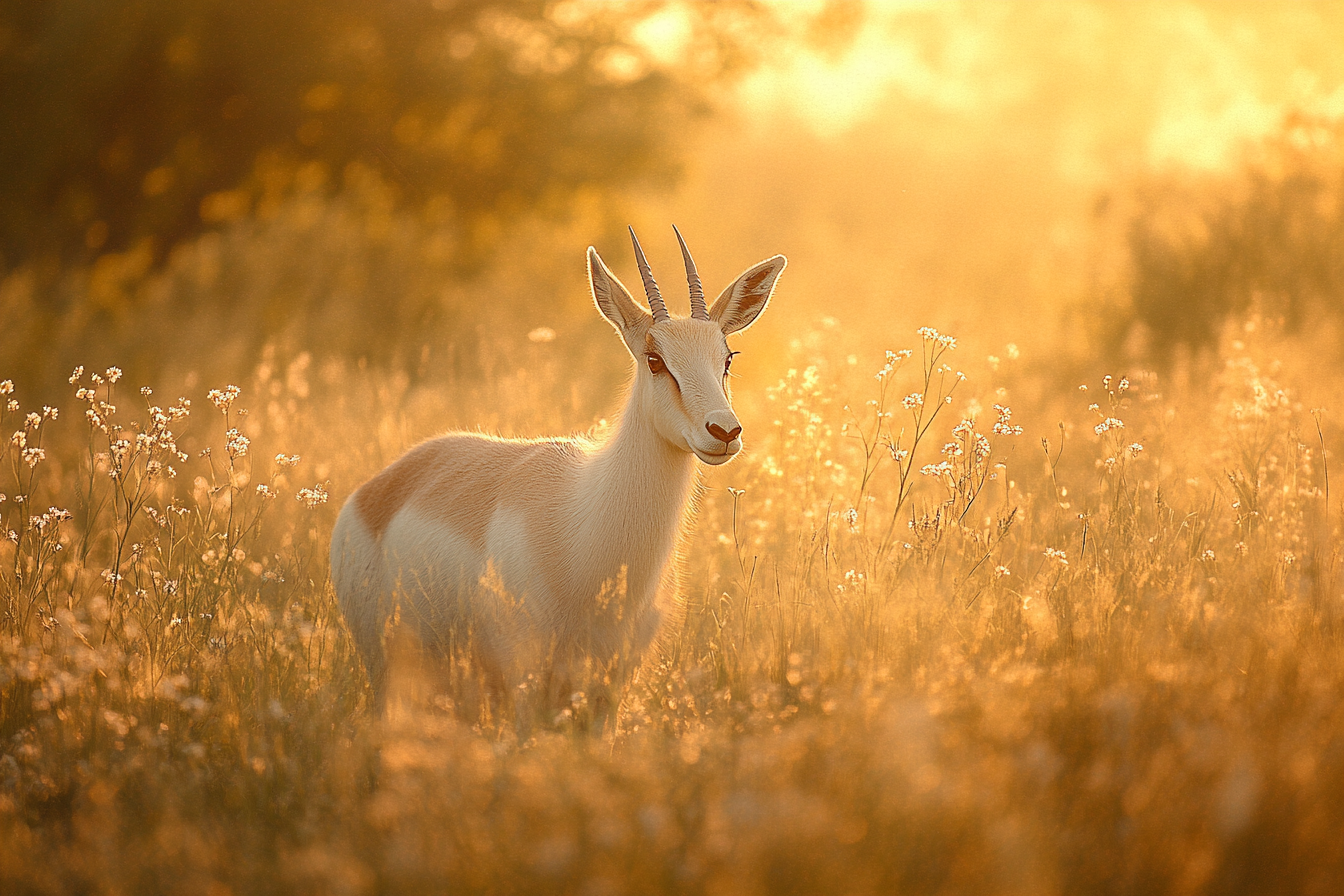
(656, 363)
(728, 363)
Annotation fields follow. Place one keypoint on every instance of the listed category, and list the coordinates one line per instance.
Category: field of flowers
(954, 623)
(1050, 605)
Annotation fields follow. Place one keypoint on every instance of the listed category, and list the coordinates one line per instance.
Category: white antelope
(559, 544)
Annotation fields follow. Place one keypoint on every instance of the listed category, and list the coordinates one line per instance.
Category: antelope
(561, 544)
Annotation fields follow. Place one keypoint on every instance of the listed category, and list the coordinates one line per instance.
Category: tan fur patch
(379, 499)
(459, 480)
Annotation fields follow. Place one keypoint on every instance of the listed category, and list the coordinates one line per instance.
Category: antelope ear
(616, 303)
(746, 297)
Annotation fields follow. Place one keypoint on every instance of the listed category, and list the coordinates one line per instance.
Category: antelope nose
(723, 435)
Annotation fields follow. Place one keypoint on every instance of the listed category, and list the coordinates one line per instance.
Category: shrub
(1265, 241)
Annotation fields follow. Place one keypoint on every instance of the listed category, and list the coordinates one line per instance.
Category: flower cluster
(236, 444)
(1002, 426)
(893, 361)
(224, 398)
(312, 497)
(929, 334)
(53, 517)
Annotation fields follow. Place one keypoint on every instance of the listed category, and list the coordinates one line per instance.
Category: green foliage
(1266, 241)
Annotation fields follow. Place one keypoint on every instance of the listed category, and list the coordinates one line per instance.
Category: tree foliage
(132, 119)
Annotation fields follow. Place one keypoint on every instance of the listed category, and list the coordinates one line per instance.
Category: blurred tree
(127, 120)
(1269, 240)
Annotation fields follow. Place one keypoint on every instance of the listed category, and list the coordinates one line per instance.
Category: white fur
(577, 537)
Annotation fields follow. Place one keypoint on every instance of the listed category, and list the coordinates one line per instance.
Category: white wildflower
(1003, 426)
(1058, 556)
(312, 497)
(236, 443)
(224, 398)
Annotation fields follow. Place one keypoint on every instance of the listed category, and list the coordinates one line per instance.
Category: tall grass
(948, 628)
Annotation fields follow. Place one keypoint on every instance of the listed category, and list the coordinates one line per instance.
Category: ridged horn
(656, 304)
(698, 309)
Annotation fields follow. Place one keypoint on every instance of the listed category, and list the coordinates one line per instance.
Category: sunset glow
(729, 447)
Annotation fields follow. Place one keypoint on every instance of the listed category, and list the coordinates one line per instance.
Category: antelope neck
(636, 486)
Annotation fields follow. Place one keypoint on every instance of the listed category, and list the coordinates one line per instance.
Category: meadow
(1028, 581)
(952, 624)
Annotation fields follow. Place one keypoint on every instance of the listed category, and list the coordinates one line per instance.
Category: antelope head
(682, 364)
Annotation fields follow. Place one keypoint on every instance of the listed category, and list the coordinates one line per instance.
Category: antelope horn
(698, 309)
(656, 304)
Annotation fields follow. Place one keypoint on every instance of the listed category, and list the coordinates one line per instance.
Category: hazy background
(411, 185)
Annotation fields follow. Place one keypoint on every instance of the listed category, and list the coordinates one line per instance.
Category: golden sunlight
(950, 504)
(1189, 82)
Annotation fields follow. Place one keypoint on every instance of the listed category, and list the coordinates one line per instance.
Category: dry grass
(923, 650)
